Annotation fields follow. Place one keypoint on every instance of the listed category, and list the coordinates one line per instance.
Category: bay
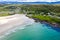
(35, 31)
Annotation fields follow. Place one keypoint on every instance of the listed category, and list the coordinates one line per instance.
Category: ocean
(35, 31)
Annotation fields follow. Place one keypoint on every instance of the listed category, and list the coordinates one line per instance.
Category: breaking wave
(19, 27)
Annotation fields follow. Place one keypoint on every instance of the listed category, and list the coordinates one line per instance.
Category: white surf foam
(20, 27)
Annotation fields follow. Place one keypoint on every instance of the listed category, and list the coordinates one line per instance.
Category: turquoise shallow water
(36, 31)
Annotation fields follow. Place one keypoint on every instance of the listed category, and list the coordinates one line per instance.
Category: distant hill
(5, 2)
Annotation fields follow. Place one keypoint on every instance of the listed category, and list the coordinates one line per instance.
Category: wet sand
(9, 22)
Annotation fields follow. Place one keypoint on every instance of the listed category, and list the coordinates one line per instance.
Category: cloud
(32, 0)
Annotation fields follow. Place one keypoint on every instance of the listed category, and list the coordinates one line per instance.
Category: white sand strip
(10, 22)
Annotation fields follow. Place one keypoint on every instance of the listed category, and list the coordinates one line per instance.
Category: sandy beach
(9, 22)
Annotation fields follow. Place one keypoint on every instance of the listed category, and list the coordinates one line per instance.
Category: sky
(31, 0)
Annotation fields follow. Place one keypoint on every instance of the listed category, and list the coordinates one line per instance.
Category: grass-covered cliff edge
(42, 12)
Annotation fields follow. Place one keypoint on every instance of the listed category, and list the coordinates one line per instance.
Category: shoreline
(53, 24)
(10, 22)
(45, 22)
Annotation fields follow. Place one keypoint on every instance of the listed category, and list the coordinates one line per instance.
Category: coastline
(46, 22)
(9, 22)
(52, 24)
